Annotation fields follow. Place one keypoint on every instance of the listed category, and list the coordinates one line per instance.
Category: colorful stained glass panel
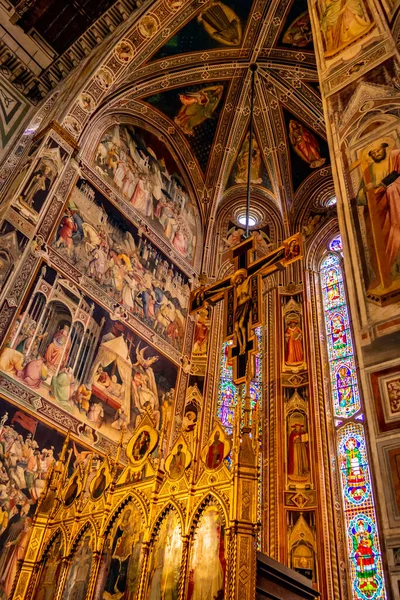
(365, 557)
(358, 506)
(354, 465)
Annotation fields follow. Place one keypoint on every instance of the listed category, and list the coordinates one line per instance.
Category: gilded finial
(119, 448)
(65, 446)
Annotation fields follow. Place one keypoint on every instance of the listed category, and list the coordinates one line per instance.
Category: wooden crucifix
(242, 293)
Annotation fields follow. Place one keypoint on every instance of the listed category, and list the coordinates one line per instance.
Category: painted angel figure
(144, 386)
(233, 237)
(198, 107)
(263, 242)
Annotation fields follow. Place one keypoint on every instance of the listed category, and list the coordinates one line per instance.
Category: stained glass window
(358, 503)
(228, 395)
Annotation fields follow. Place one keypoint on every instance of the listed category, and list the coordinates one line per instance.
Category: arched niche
(121, 561)
(137, 162)
(50, 572)
(81, 562)
(208, 559)
(314, 203)
(164, 569)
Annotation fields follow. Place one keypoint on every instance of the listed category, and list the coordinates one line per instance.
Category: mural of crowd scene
(47, 168)
(165, 560)
(307, 150)
(12, 245)
(343, 24)
(126, 265)
(27, 450)
(142, 169)
(217, 25)
(121, 561)
(298, 34)
(239, 173)
(376, 202)
(72, 353)
(235, 235)
(195, 110)
(208, 564)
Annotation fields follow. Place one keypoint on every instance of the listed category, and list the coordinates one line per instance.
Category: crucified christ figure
(240, 281)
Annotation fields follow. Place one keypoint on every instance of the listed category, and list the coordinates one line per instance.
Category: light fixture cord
(253, 68)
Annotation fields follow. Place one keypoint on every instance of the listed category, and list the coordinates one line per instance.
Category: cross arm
(210, 294)
(268, 264)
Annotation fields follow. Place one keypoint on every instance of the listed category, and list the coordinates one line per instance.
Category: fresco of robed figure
(208, 563)
(92, 367)
(378, 210)
(79, 571)
(125, 264)
(343, 23)
(121, 560)
(144, 172)
(165, 560)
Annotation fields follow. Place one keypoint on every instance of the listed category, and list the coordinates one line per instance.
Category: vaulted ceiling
(194, 78)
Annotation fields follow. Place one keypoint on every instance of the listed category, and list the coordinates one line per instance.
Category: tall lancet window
(228, 395)
(358, 501)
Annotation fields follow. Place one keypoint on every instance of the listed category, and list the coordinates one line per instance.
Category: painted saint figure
(242, 163)
(305, 144)
(18, 547)
(298, 452)
(364, 555)
(57, 351)
(299, 33)
(141, 445)
(178, 463)
(78, 577)
(342, 23)
(215, 453)
(201, 332)
(294, 354)
(355, 477)
(37, 189)
(338, 328)
(47, 586)
(380, 191)
(165, 561)
(207, 567)
(123, 575)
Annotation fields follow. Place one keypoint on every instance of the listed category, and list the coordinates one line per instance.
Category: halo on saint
(142, 442)
(217, 448)
(179, 459)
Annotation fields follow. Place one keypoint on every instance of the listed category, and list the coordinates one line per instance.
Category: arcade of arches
(182, 401)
